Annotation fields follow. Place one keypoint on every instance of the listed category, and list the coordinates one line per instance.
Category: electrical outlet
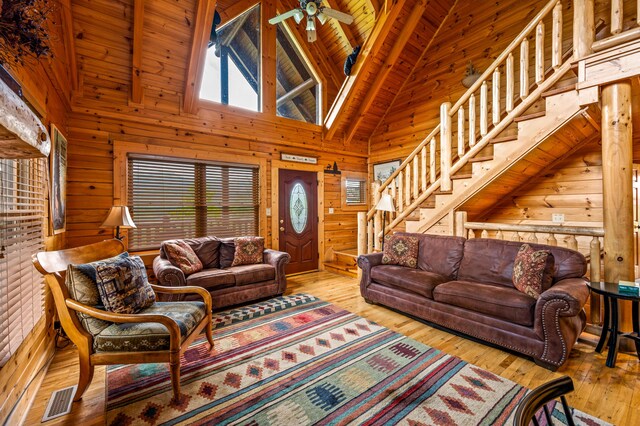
(557, 218)
(330, 210)
(268, 209)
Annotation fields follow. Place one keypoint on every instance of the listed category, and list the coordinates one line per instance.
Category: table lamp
(118, 217)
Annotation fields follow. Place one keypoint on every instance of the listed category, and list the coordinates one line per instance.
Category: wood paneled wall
(46, 85)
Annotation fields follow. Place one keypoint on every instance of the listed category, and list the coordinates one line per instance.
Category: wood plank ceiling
(117, 60)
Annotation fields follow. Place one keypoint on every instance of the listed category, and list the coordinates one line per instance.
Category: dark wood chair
(539, 397)
(53, 265)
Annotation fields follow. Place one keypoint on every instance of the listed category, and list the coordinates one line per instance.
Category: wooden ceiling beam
(387, 67)
(374, 5)
(357, 80)
(234, 11)
(201, 33)
(69, 42)
(136, 52)
(299, 89)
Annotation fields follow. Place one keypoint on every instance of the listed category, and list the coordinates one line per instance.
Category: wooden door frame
(276, 166)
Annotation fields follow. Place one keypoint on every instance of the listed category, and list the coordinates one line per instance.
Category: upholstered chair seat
(150, 336)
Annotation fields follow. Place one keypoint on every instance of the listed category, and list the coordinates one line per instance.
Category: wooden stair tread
(347, 252)
(559, 90)
(462, 175)
(502, 139)
(481, 159)
(342, 268)
(530, 116)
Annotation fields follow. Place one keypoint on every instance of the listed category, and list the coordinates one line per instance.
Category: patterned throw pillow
(400, 250)
(81, 282)
(529, 270)
(123, 285)
(248, 251)
(181, 254)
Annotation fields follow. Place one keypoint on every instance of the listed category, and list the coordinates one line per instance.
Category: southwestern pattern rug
(297, 360)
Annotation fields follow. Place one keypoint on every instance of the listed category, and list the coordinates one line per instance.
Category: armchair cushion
(248, 251)
(82, 286)
(181, 254)
(150, 336)
(123, 285)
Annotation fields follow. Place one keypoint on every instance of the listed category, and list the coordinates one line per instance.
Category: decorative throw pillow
(400, 250)
(82, 286)
(123, 285)
(248, 251)
(181, 254)
(531, 270)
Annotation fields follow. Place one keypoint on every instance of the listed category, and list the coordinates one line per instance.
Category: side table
(610, 326)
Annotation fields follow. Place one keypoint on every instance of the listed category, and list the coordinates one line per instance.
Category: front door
(298, 219)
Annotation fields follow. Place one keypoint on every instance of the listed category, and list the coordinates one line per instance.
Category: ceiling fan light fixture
(311, 8)
(322, 17)
(298, 15)
(311, 24)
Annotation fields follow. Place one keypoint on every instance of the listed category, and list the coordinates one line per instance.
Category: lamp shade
(385, 204)
(118, 217)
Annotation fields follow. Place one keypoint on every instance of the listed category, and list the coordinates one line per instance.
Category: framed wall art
(58, 167)
(382, 171)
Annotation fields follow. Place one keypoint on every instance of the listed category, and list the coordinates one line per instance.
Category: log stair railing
(485, 110)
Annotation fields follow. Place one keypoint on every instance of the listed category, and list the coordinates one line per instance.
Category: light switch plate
(557, 218)
(268, 211)
(330, 210)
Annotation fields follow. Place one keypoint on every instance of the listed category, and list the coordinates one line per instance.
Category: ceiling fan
(314, 9)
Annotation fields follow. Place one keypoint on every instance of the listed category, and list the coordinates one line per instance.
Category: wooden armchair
(53, 265)
(530, 405)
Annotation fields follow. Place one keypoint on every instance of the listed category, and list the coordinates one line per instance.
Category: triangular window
(232, 72)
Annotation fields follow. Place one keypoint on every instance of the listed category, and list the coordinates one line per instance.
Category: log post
(594, 266)
(617, 175)
(584, 32)
(362, 233)
(377, 217)
(556, 34)
(472, 120)
(445, 147)
(459, 221)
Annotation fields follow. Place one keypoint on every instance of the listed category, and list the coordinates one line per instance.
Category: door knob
(281, 221)
(282, 229)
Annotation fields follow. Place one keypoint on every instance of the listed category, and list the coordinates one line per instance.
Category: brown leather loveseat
(466, 286)
(228, 285)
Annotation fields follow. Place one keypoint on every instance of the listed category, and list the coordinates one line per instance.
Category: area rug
(297, 360)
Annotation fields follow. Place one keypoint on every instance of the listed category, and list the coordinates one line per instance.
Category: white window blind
(22, 212)
(170, 198)
(356, 191)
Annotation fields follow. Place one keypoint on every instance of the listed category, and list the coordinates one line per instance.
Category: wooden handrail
(542, 229)
(503, 56)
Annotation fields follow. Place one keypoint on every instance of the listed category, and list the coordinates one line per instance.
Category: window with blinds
(171, 198)
(22, 221)
(355, 191)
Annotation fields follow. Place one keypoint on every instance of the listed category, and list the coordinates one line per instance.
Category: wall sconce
(470, 76)
(332, 170)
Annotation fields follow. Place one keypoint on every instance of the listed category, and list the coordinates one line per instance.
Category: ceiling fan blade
(336, 14)
(282, 16)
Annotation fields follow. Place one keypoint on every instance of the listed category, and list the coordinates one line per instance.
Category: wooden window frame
(122, 150)
(343, 191)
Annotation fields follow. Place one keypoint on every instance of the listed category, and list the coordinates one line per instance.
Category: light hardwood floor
(613, 394)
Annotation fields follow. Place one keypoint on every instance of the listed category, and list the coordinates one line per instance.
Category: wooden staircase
(344, 262)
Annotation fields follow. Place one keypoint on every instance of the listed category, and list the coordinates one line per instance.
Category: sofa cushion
(181, 255)
(206, 248)
(493, 300)
(248, 251)
(227, 251)
(400, 249)
(531, 269)
(123, 285)
(212, 279)
(491, 261)
(249, 274)
(408, 279)
(440, 254)
(150, 336)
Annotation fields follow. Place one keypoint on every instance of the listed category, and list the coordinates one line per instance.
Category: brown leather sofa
(228, 285)
(466, 286)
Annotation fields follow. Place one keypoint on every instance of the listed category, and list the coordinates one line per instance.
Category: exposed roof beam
(268, 52)
(356, 80)
(236, 9)
(201, 34)
(374, 5)
(69, 42)
(381, 76)
(296, 91)
(136, 52)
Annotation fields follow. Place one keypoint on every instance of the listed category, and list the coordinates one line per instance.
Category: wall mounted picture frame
(382, 171)
(58, 168)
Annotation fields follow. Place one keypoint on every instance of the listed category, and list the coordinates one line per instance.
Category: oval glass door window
(298, 208)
